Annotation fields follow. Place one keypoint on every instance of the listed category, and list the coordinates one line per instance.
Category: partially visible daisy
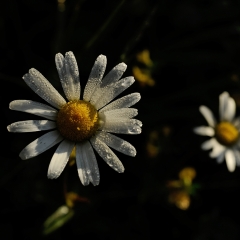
(84, 124)
(225, 141)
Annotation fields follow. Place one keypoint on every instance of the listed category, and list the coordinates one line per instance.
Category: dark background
(194, 47)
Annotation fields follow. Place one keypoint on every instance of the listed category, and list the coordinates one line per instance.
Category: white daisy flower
(84, 124)
(225, 141)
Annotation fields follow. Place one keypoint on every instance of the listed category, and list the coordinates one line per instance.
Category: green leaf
(61, 216)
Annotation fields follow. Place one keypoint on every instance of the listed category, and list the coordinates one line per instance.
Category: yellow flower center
(77, 120)
(226, 133)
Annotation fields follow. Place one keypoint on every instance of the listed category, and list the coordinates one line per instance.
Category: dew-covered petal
(60, 65)
(204, 131)
(60, 159)
(227, 107)
(31, 126)
(217, 150)
(208, 144)
(40, 145)
(35, 108)
(123, 102)
(113, 76)
(117, 143)
(124, 126)
(107, 154)
(69, 75)
(41, 86)
(95, 77)
(230, 160)
(87, 164)
(119, 113)
(113, 90)
(220, 157)
(208, 115)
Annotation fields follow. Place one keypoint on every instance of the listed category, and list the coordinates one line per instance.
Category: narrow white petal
(204, 131)
(69, 75)
(41, 86)
(87, 164)
(218, 149)
(208, 115)
(125, 126)
(230, 110)
(123, 102)
(31, 126)
(81, 165)
(208, 144)
(223, 103)
(60, 62)
(119, 113)
(117, 143)
(40, 145)
(35, 108)
(230, 160)
(113, 90)
(60, 159)
(107, 154)
(220, 157)
(113, 76)
(237, 156)
(95, 77)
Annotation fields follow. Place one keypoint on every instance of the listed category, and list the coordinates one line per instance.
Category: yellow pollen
(226, 133)
(77, 120)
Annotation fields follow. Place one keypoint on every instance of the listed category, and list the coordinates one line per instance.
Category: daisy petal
(69, 75)
(41, 86)
(87, 164)
(117, 143)
(125, 126)
(223, 103)
(107, 154)
(35, 108)
(31, 126)
(123, 102)
(230, 160)
(95, 77)
(231, 110)
(60, 65)
(237, 157)
(218, 149)
(81, 165)
(60, 159)
(208, 115)
(208, 144)
(40, 145)
(113, 76)
(119, 113)
(113, 90)
(220, 157)
(204, 131)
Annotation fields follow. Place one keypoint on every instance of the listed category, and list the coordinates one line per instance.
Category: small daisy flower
(84, 124)
(225, 141)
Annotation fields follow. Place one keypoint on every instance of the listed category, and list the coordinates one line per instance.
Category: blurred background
(183, 54)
